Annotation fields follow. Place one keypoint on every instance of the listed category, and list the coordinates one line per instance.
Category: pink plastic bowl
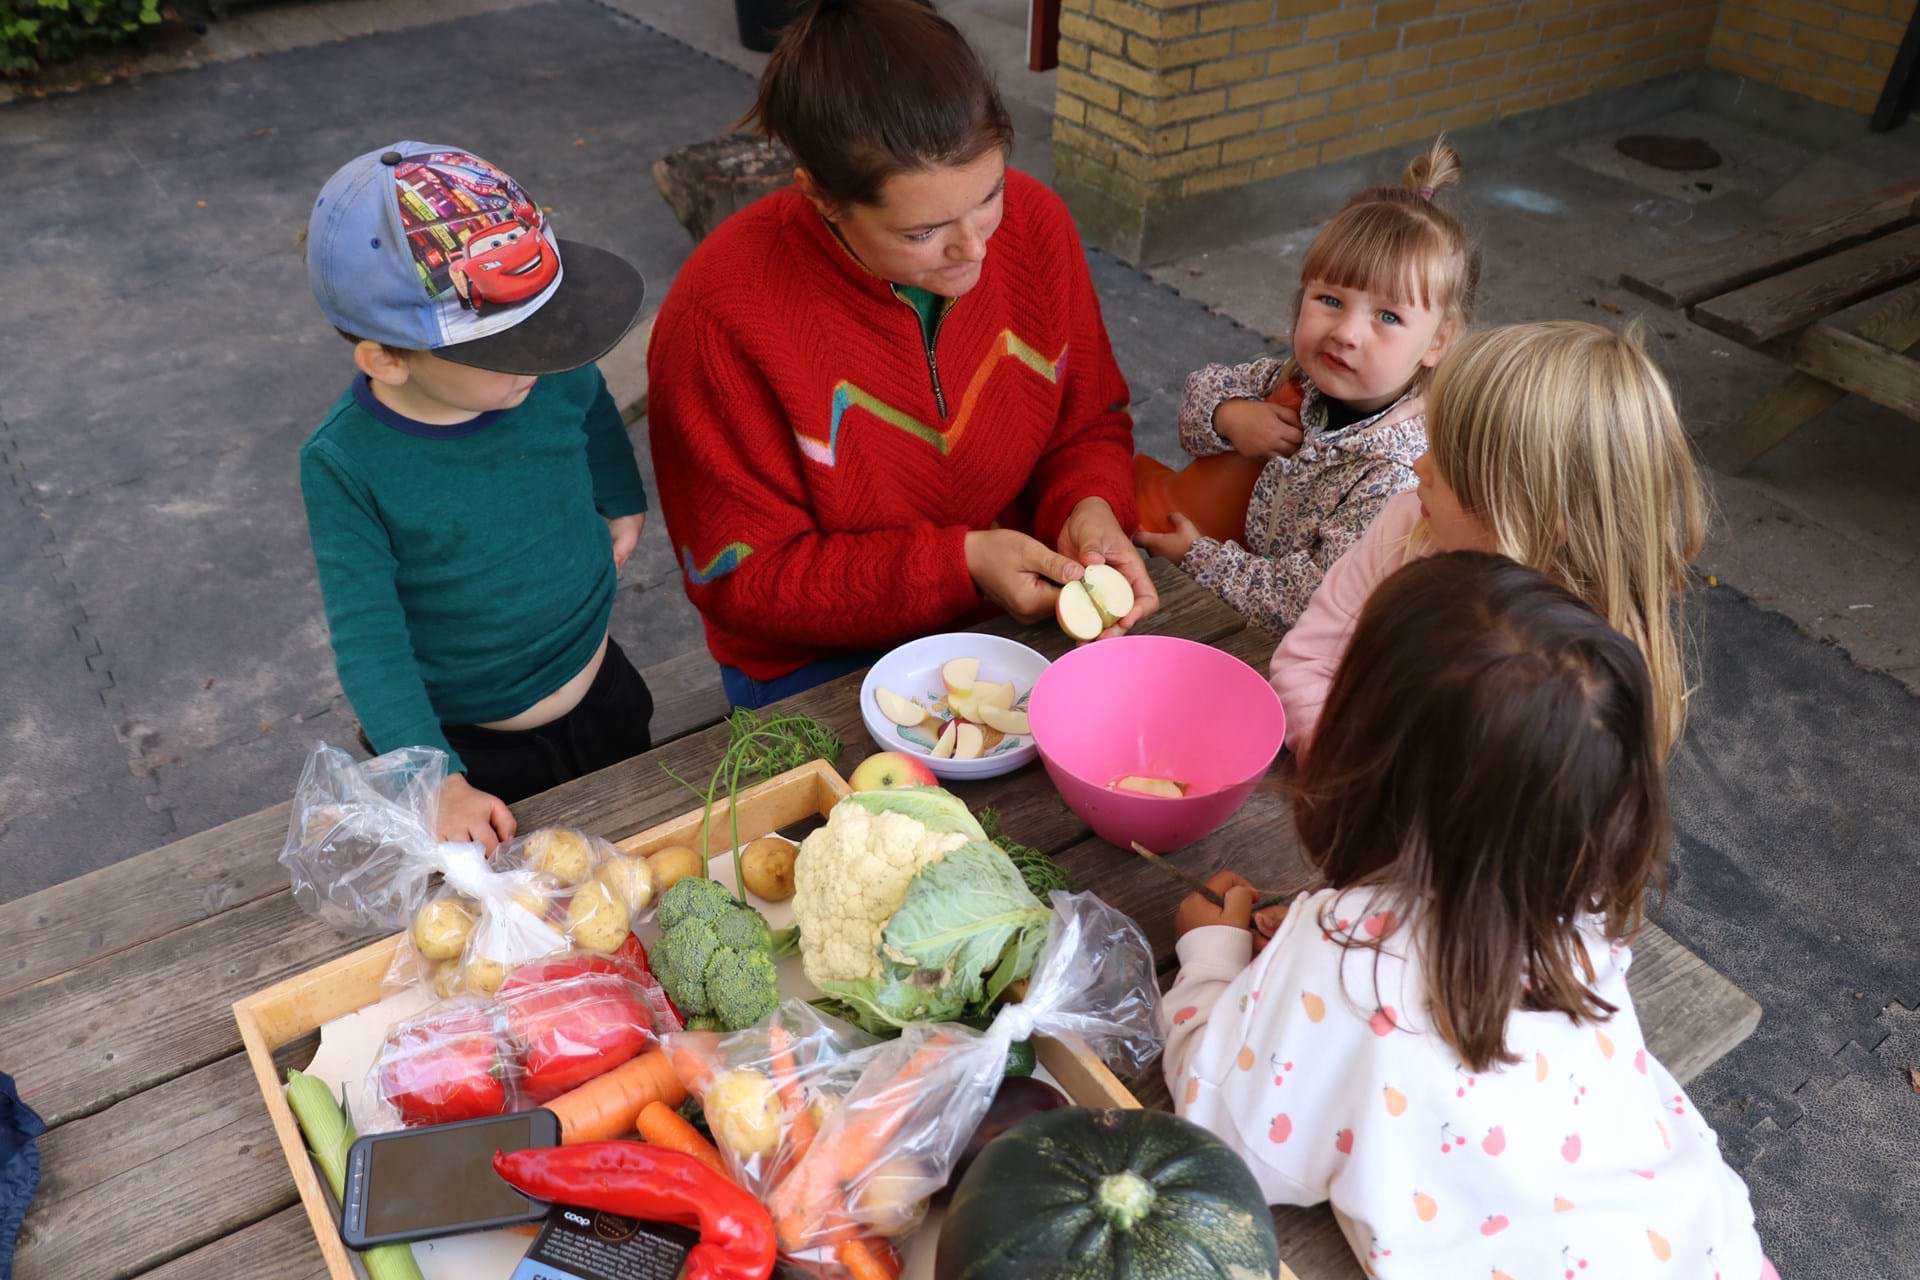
(1162, 708)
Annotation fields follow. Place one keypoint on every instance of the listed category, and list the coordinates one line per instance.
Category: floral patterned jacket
(1306, 510)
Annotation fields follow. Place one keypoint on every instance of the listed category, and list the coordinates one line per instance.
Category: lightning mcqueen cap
(431, 248)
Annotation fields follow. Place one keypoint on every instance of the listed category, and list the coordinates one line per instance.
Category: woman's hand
(1259, 428)
(626, 536)
(1170, 546)
(1092, 535)
(1017, 572)
(1198, 913)
(468, 813)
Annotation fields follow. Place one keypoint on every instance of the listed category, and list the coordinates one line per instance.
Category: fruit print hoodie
(1583, 1159)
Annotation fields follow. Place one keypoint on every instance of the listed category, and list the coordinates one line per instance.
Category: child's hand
(468, 813)
(1258, 428)
(1197, 913)
(626, 536)
(1170, 546)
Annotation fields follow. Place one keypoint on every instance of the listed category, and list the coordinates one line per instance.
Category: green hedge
(35, 33)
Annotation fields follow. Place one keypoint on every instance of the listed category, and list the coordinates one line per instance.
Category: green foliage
(36, 33)
(1042, 874)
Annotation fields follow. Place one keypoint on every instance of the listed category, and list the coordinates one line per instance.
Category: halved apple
(959, 674)
(969, 743)
(949, 738)
(1111, 592)
(988, 694)
(965, 705)
(1166, 787)
(1011, 723)
(902, 711)
(1077, 614)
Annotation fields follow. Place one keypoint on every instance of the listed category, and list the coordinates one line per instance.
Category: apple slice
(1077, 614)
(1011, 723)
(1112, 594)
(969, 743)
(902, 711)
(959, 674)
(949, 738)
(1166, 787)
(965, 705)
(988, 694)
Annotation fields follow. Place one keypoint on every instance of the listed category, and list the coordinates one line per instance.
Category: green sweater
(467, 570)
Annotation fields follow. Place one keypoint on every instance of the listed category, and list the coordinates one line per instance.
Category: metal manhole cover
(1663, 151)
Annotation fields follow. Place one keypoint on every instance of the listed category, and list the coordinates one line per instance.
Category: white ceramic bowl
(913, 671)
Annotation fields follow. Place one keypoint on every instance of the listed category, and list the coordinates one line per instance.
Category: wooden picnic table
(116, 993)
(1832, 297)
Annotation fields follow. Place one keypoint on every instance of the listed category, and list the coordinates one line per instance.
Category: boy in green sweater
(473, 494)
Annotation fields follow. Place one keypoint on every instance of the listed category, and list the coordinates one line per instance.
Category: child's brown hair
(1489, 758)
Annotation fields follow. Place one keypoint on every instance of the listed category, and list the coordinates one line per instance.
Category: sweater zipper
(927, 342)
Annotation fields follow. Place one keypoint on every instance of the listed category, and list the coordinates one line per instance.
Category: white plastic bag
(358, 834)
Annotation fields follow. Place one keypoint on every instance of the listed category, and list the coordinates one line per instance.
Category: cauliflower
(715, 957)
(907, 913)
(849, 878)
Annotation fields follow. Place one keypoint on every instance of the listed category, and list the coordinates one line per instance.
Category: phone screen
(444, 1177)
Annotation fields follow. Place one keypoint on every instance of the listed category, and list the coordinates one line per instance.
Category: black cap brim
(597, 303)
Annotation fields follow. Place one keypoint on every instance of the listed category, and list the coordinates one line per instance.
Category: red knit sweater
(816, 492)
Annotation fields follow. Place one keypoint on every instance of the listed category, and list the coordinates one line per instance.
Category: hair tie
(1425, 193)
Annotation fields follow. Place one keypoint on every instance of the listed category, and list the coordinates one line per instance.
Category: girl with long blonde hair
(1556, 444)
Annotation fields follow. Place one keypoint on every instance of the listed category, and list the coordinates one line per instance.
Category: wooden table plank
(1781, 304)
(1694, 275)
(1867, 369)
(1894, 324)
(276, 1248)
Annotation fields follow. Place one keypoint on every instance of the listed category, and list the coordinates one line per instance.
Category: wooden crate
(289, 1010)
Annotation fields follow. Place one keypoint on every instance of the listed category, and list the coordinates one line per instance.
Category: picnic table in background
(1796, 293)
(116, 992)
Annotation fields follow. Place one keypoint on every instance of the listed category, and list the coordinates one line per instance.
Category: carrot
(661, 1125)
(606, 1106)
(868, 1259)
(793, 1096)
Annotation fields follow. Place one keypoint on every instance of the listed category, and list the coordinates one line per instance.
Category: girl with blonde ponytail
(1297, 456)
(1556, 444)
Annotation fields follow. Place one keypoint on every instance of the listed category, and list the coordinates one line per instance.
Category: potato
(767, 865)
(440, 928)
(630, 880)
(536, 902)
(565, 855)
(597, 919)
(743, 1110)
(446, 979)
(893, 1198)
(672, 864)
(482, 975)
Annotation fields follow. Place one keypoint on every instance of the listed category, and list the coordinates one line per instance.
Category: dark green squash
(1077, 1194)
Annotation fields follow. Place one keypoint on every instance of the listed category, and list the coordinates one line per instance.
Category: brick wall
(1164, 99)
(1838, 53)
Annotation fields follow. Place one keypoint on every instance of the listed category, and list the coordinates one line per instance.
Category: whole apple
(889, 769)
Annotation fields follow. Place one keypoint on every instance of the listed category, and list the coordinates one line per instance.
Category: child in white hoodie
(1441, 1043)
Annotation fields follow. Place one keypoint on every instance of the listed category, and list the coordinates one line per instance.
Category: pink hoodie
(1303, 666)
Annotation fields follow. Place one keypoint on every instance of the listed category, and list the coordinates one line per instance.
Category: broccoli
(695, 898)
(743, 986)
(714, 957)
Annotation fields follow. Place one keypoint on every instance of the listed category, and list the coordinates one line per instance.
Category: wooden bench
(1783, 291)
(116, 992)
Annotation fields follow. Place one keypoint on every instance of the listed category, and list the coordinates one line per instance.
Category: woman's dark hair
(860, 90)
(1490, 758)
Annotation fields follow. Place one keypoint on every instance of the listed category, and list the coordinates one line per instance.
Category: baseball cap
(431, 248)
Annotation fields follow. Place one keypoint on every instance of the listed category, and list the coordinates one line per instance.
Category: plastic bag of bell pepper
(573, 1018)
(453, 1062)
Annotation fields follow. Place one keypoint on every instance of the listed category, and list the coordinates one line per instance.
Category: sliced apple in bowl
(965, 705)
(988, 694)
(1139, 785)
(1007, 721)
(969, 742)
(949, 738)
(959, 674)
(904, 712)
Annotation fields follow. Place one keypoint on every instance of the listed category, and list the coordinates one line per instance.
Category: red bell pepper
(652, 1183)
(573, 1019)
(448, 1068)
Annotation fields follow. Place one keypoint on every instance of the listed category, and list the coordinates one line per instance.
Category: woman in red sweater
(883, 398)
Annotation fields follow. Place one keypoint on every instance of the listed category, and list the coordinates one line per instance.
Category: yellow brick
(1402, 12)
(1073, 55)
(1479, 68)
(1097, 35)
(1301, 8)
(1294, 109)
(1458, 95)
(1288, 162)
(1164, 142)
(1341, 148)
(1118, 128)
(1389, 112)
(1454, 50)
(1236, 175)
(1408, 131)
(1256, 147)
(1299, 56)
(1193, 106)
(1331, 76)
(1143, 20)
(1272, 89)
(1834, 44)
(1512, 38)
(1263, 39)
(1097, 92)
(1588, 43)
(1067, 107)
(1488, 20)
(1875, 30)
(1348, 101)
(1142, 81)
(1561, 28)
(1226, 126)
(1368, 43)
(1420, 33)
(1388, 64)
(1179, 53)
(1341, 22)
(1528, 101)
(1209, 75)
(1417, 82)
(1321, 128)
(1247, 13)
